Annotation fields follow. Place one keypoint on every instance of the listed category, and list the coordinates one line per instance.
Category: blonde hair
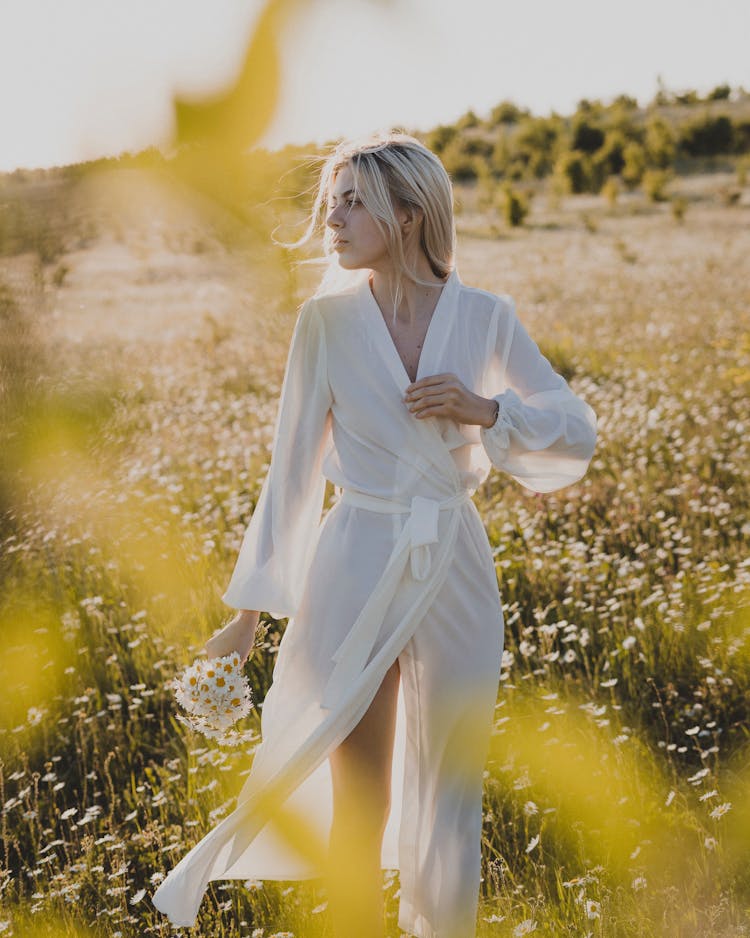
(390, 169)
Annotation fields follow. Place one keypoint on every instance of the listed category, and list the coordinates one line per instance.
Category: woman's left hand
(445, 395)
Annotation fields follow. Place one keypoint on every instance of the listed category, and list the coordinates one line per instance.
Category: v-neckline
(398, 368)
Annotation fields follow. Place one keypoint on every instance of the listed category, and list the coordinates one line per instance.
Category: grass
(616, 797)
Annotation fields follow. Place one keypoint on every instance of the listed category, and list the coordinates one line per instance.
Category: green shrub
(707, 136)
(459, 164)
(467, 120)
(439, 138)
(719, 93)
(478, 146)
(634, 166)
(536, 143)
(742, 137)
(611, 190)
(574, 170)
(679, 207)
(687, 98)
(609, 159)
(660, 143)
(625, 102)
(516, 207)
(501, 156)
(655, 183)
(587, 136)
(506, 112)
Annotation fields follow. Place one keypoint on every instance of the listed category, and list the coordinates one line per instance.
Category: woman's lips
(338, 242)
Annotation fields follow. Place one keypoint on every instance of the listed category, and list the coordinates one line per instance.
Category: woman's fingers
(449, 398)
(434, 403)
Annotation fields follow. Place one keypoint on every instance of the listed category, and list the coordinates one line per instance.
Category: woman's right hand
(238, 635)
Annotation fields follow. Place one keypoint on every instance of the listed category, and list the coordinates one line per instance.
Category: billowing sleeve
(544, 435)
(279, 542)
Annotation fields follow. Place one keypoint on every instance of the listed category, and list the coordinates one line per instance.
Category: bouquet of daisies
(215, 694)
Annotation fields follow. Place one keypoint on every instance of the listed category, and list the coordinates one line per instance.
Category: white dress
(399, 567)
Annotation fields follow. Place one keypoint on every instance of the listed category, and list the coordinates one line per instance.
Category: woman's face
(357, 239)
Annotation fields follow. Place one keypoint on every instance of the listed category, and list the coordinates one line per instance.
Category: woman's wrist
(492, 410)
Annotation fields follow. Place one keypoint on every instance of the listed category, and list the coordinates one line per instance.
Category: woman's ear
(410, 218)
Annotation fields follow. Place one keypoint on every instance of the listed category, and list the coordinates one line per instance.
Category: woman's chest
(371, 363)
(408, 342)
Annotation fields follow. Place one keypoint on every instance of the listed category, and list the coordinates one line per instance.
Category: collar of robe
(435, 339)
(430, 448)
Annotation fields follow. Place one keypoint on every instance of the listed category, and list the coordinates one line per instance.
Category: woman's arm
(544, 435)
(279, 542)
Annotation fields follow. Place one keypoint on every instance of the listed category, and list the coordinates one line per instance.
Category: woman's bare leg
(361, 773)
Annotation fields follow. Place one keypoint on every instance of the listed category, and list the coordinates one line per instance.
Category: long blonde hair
(389, 169)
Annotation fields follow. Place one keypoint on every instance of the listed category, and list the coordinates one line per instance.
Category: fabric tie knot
(423, 523)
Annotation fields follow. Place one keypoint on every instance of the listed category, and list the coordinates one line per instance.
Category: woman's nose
(333, 218)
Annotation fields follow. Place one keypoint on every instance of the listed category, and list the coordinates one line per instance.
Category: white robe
(400, 567)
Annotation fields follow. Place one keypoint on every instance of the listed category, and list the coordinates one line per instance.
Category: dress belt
(421, 525)
(413, 543)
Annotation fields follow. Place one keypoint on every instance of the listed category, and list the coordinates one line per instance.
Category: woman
(403, 386)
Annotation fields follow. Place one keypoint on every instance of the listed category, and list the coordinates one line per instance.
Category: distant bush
(611, 190)
(609, 159)
(707, 136)
(516, 207)
(459, 164)
(467, 120)
(634, 166)
(506, 113)
(573, 169)
(742, 137)
(655, 183)
(687, 98)
(587, 137)
(439, 138)
(478, 146)
(719, 93)
(625, 102)
(679, 207)
(536, 143)
(660, 143)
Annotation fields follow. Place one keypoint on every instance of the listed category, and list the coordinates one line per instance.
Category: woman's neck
(417, 299)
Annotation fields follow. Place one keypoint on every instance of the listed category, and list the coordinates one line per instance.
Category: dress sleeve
(544, 435)
(278, 545)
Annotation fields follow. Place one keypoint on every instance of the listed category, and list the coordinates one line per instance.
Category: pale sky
(86, 78)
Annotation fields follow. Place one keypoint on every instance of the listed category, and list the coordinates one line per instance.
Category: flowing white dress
(399, 567)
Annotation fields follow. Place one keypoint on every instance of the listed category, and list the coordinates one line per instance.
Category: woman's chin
(349, 263)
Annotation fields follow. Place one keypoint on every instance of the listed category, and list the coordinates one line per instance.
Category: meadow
(142, 350)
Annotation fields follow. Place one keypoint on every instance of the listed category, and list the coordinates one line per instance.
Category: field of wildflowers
(140, 375)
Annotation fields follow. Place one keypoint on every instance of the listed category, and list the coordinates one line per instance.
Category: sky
(80, 79)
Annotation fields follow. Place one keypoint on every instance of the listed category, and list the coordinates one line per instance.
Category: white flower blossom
(720, 810)
(593, 909)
